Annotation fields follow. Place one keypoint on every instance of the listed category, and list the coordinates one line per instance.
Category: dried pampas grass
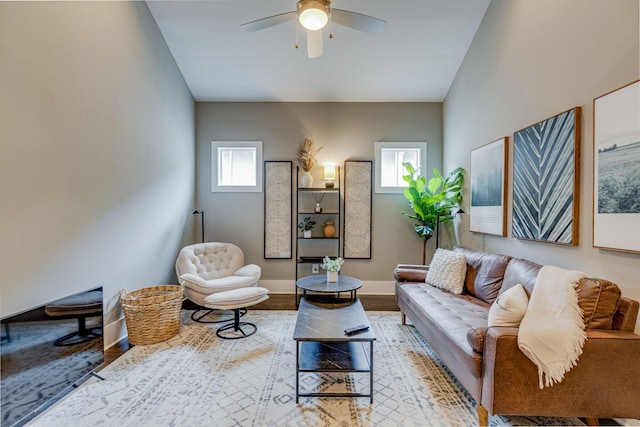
(307, 155)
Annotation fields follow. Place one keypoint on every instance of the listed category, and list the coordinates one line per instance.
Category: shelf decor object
(489, 188)
(616, 169)
(329, 176)
(306, 156)
(277, 209)
(546, 172)
(357, 208)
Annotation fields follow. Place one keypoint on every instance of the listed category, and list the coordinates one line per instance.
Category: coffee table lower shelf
(330, 356)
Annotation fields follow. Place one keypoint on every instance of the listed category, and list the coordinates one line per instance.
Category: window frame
(216, 187)
(399, 146)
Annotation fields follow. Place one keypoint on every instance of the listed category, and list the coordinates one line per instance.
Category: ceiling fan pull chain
(297, 45)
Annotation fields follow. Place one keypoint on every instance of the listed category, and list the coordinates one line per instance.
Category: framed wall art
(546, 172)
(277, 209)
(616, 169)
(488, 213)
(357, 209)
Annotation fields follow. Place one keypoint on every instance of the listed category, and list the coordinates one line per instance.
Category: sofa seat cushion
(450, 317)
(484, 273)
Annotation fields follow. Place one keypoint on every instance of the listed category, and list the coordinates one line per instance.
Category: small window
(236, 166)
(389, 159)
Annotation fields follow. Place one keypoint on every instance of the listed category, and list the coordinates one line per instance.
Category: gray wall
(529, 61)
(97, 153)
(345, 131)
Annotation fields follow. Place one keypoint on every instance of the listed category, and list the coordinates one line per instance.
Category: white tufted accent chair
(208, 268)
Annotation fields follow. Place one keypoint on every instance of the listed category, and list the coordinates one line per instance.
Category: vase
(329, 229)
(318, 208)
(307, 180)
(332, 276)
(306, 234)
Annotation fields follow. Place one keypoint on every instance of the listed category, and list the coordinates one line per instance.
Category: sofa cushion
(520, 271)
(449, 317)
(447, 271)
(598, 300)
(485, 272)
(509, 308)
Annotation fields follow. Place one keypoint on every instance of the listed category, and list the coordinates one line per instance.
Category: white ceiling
(414, 59)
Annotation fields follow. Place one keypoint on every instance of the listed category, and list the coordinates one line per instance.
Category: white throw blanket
(552, 331)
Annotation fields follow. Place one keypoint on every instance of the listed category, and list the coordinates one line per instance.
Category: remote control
(356, 329)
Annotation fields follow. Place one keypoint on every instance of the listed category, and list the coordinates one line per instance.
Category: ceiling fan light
(313, 14)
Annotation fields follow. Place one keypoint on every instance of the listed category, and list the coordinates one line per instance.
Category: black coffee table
(319, 283)
(322, 345)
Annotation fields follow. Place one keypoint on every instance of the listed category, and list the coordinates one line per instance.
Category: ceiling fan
(314, 16)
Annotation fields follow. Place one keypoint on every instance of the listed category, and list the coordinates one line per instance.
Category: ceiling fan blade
(357, 21)
(314, 43)
(270, 21)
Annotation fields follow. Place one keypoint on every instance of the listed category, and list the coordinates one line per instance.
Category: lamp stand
(201, 213)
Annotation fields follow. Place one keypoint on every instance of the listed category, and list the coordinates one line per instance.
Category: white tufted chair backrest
(210, 260)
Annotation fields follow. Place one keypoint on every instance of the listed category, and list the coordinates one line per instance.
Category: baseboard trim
(114, 333)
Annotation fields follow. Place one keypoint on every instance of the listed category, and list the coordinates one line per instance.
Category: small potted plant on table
(333, 267)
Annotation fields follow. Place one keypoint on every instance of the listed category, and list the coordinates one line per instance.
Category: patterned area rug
(197, 379)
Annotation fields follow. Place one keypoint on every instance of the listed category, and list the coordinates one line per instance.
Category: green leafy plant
(431, 200)
(306, 224)
(332, 264)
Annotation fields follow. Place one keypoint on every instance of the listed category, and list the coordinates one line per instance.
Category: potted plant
(306, 226)
(306, 156)
(333, 267)
(431, 200)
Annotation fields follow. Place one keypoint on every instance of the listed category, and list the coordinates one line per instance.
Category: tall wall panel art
(357, 209)
(277, 209)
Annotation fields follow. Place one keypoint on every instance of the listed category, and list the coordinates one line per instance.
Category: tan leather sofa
(487, 361)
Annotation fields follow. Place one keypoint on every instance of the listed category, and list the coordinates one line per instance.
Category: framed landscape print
(357, 209)
(616, 169)
(489, 188)
(546, 171)
(277, 209)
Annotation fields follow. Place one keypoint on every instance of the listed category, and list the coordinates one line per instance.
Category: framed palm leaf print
(546, 171)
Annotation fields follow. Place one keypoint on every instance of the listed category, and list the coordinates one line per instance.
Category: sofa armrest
(605, 383)
(410, 273)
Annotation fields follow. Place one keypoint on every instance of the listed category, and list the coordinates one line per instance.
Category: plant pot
(329, 229)
(306, 234)
(306, 181)
(332, 276)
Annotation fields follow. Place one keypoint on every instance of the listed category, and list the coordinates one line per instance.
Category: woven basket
(152, 314)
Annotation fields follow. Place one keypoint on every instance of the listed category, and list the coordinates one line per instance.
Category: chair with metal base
(236, 300)
(209, 268)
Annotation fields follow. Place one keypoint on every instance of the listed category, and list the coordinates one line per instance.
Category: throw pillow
(509, 308)
(447, 271)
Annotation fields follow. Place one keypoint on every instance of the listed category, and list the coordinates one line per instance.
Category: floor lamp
(201, 213)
